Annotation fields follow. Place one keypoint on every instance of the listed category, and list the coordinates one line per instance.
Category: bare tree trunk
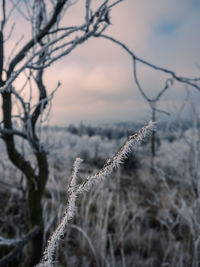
(153, 142)
(36, 187)
(35, 183)
(35, 218)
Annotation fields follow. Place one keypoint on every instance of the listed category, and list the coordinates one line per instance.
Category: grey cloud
(97, 80)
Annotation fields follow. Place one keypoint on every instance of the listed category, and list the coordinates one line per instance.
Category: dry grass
(133, 219)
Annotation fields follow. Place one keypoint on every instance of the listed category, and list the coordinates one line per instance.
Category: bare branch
(188, 81)
(87, 12)
(115, 3)
(163, 111)
(13, 132)
(19, 9)
(14, 48)
(137, 81)
(62, 29)
(9, 186)
(169, 82)
(20, 98)
(8, 259)
(58, 8)
(10, 33)
(1, 56)
(4, 15)
(12, 9)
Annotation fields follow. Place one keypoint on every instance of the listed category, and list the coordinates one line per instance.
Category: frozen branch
(19, 57)
(111, 164)
(74, 190)
(48, 258)
(19, 244)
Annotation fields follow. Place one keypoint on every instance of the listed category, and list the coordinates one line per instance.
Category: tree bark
(153, 143)
(36, 187)
(35, 182)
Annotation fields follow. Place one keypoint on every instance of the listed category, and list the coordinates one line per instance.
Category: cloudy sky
(97, 81)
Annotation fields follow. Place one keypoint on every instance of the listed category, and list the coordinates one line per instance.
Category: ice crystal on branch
(132, 142)
(74, 190)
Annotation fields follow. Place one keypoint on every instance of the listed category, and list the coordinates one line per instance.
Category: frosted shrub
(64, 147)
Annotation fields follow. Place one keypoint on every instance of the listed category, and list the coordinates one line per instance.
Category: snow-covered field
(137, 217)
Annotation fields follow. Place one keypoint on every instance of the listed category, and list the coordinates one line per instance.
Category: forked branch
(75, 190)
(193, 82)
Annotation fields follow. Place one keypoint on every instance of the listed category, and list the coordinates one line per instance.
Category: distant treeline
(120, 129)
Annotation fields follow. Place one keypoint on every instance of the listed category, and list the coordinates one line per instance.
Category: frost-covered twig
(18, 244)
(132, 142)
(52, 242)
